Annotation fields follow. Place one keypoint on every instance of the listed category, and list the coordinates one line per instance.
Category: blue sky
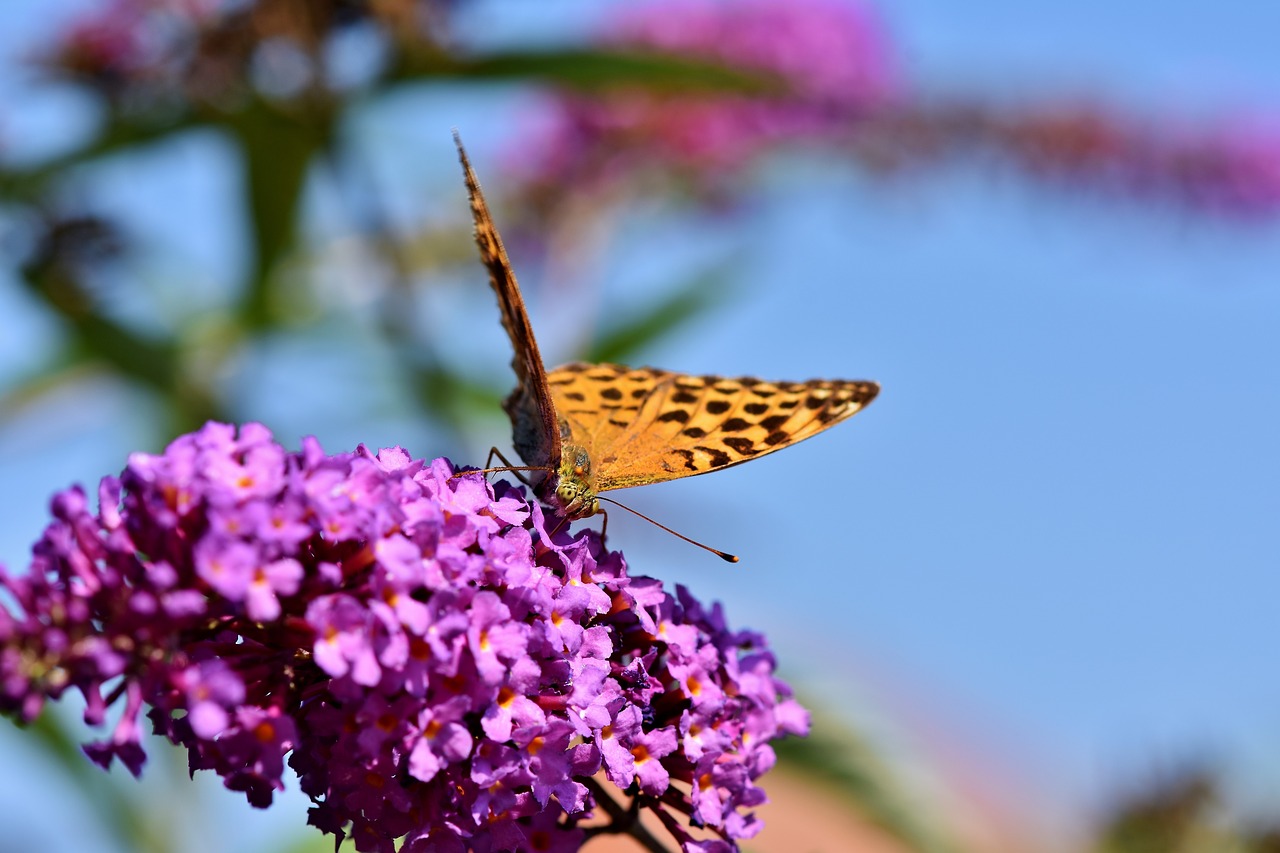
(1052, 536)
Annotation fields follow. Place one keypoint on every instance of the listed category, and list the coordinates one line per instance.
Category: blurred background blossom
(836, 81)
(824, 67)
(1050, 234)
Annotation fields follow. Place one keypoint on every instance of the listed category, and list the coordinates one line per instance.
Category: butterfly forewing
(535, 432)
(642, 425)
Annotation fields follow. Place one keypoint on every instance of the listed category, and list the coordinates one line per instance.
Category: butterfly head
(573, 484)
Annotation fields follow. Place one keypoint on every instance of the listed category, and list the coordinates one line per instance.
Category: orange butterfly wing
(642, 425)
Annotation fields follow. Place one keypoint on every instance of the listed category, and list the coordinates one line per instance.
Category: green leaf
(660, 320)
(278, 148)
(594, 69)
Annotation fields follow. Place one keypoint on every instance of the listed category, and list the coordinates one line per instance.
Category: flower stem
(624, 820)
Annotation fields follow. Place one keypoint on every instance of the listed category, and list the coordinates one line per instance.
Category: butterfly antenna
(514, 469)
(727, 557)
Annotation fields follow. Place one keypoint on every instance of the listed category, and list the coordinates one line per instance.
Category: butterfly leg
(506, 468)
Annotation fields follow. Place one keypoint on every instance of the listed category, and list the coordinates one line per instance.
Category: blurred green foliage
(279, 142)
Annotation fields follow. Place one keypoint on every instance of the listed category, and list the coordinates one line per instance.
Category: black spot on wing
(745, 446)
(718, 458)
(687, 456)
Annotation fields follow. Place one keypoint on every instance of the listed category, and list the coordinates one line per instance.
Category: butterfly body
(572, 486)
(591, 428)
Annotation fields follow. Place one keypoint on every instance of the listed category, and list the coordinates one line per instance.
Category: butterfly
(592, 428)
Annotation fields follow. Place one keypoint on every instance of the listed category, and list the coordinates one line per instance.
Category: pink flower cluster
(441, 669)
(830, 60)
(1232, 168)
(838, 83)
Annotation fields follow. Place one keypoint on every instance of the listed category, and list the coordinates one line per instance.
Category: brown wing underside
(535, 430)
(642, 425)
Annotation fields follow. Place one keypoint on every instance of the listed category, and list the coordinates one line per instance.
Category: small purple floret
(441, 671)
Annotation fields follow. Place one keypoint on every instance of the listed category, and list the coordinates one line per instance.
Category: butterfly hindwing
(642, 425)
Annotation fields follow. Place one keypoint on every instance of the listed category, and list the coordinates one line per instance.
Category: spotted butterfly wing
(642, 425)
(597, 427)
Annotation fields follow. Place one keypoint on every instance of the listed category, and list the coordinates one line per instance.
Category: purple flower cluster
(830, 57)
(437, 664)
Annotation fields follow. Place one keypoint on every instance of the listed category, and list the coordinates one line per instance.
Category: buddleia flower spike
(440, 672)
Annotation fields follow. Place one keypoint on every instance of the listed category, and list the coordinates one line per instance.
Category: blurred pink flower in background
(828, 70)
(831, 61)
(831, 58)
(839, 83)
(1233, 168)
